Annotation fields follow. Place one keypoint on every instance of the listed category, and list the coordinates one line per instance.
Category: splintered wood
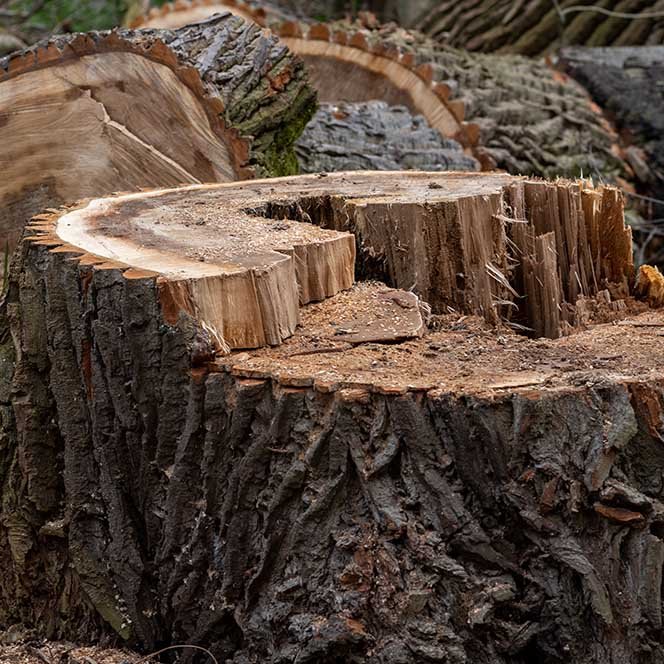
(240, 259)
(572, 243)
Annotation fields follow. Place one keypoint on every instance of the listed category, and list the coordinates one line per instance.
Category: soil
(64, 653)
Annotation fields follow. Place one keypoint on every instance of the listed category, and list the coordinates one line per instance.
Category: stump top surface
(184, 235)
(200, 230)
(464, 356)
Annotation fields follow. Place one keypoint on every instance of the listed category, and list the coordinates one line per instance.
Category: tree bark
(510, 112)
(534, 29)
(350, 65)
(468, 496)
(85, 115)
(627, 83)
(374, 136)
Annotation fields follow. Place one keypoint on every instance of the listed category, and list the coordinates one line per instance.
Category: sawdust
(464, 355)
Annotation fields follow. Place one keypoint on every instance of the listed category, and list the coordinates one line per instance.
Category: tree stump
(371, 488)
(85, 115)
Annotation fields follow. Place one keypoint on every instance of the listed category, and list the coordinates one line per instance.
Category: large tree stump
(459, 494)
(85, 115)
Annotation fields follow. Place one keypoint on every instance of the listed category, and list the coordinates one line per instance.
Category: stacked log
(83, 115)
(509, 112)
(518, 114)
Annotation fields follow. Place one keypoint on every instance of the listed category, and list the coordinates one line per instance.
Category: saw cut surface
(91, 114)
(243, 276)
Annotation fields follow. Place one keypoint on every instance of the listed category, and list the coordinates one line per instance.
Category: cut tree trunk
(366, 136)
(510, 112)
(85, 115)
(461, 494)
(525, 117)
(345, 66)
(534, 28)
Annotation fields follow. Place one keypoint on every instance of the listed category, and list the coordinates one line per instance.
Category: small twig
(147, 658)
(39, 655)
(577, 9)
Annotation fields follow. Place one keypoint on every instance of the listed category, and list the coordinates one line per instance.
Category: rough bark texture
(349, 65)
(533, 28)
(629, 84)
(244, 101)
(376, 136)
(514, 112)
(293, 518)
(531, 121)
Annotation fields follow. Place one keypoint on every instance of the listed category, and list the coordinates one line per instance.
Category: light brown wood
(242, 258)
(242, 276)
(88, 115)
(95, 124)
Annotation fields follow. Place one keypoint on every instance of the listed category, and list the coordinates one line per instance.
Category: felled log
(345, 66)
(534, 28)
(514, 112)
(460, 493)
(627, 82)
(84, 115)
(376, 136)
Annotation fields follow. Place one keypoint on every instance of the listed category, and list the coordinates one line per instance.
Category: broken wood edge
(45, 55)
(242, 9)
(556, 210)
(443, 113)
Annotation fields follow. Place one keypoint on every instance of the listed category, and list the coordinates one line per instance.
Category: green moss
(278, 156)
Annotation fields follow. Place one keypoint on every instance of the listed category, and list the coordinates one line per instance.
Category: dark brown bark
(534, 28)
(530, 120)
(627, 83)
(506, 507)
